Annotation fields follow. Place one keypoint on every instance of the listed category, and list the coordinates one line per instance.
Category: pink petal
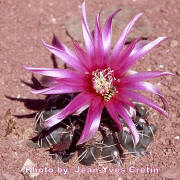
(145, 86)
(123, 113)
(147, 47)
(123, 99)
(99, 50)
(59, 89)
(140, 53)
(143, 99)
(49, 81)
(113, 113)
(92, 120)
(143, 76)
(57, 44)
(82, 55)
(78, 102)
(121, 41)
(140, 44)
(81, 81)
(54, 72)
(79, 111)
(86, 32)
(107, 32)
(73, 81)
(65, 57)
(120, 60)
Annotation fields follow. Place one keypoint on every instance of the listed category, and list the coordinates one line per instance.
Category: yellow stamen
(103, 83)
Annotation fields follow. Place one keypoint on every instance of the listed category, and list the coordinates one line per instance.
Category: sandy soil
(22, 26)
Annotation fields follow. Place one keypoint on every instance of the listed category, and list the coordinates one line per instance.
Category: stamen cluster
(104, 82)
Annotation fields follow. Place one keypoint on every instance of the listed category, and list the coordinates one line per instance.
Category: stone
(174, 43)
(161, 66)
(29, 164)
(141, 28)
(73, 26)
(120, 178)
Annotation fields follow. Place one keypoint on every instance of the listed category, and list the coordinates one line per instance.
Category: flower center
(103, 82)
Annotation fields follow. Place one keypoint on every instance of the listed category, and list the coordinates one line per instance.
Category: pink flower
(103, 79)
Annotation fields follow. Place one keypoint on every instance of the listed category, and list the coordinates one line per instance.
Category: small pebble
(29, 5)
(161, 66)
(174, 43)
(177, 137)
(132, 162)
(53, 20)
(120, 178)
(18, 96)
(51, 3)
(29, 163)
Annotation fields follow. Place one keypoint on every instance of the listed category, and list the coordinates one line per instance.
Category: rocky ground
(22, 26)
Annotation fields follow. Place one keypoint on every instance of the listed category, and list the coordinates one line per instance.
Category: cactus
(106, 146)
